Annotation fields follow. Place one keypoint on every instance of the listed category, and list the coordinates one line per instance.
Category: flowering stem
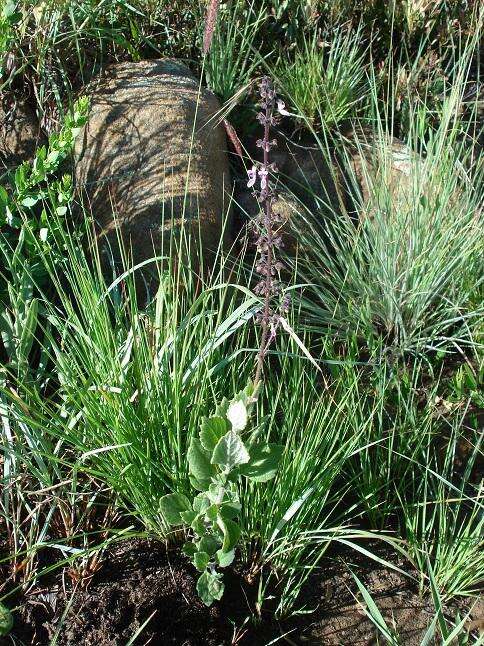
(268, 241)
(268, 230)
(210, 22)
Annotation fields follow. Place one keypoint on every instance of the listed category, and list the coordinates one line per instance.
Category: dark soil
(138, 580)
(339, 618)
(141, 582)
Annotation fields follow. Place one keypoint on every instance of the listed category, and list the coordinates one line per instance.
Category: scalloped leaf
(230, 452)
(172, 506)
(263, 463)
(199, 463)
(210, 587)
(212, 429)
(201, 560)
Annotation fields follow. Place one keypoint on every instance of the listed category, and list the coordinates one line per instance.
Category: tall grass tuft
(324, 83)
(403, 268)
(133, 384)
(230, 63)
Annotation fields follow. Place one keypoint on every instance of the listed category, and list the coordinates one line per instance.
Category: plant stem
(268, 227)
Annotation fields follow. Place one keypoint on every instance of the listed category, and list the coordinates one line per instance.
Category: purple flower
(286, 303)
(267, 238)
(265, 144)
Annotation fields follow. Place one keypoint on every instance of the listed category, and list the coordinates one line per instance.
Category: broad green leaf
(199, 462)
(230, 451)
(53, 157)
(172, 505)
(210, 587)
(231, 533)
(212, 429)
(251, 393)
(221, 409)
(263, 463)
(21, 176)
(29, 201)
(208, 544)
(190, 549)
(197, 484)
(237, 415)
(201, 503)
(8, 9)
(211, 513)
(230, 510)
(224, 559)
(216, 492)
(198, 525)
(188, 516)
(201, 560)
(3, 196)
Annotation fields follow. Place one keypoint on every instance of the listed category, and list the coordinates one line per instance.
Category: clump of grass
(442, 516)
(325, 81)
(404, 268)
(132, 384)
(448, 630)
(230, 61)
(309, 508)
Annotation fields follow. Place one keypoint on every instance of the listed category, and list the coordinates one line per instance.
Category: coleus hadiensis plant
(217, 459)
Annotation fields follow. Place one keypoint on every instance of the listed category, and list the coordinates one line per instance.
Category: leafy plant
(467, 383)
(24, 224)
(217, 460)
(27, 234)
(29, 179)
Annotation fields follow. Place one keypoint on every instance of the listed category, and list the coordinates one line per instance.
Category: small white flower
(252, 173)
(237, 415)
(43, 234)
(263, 173)
(281, 108)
